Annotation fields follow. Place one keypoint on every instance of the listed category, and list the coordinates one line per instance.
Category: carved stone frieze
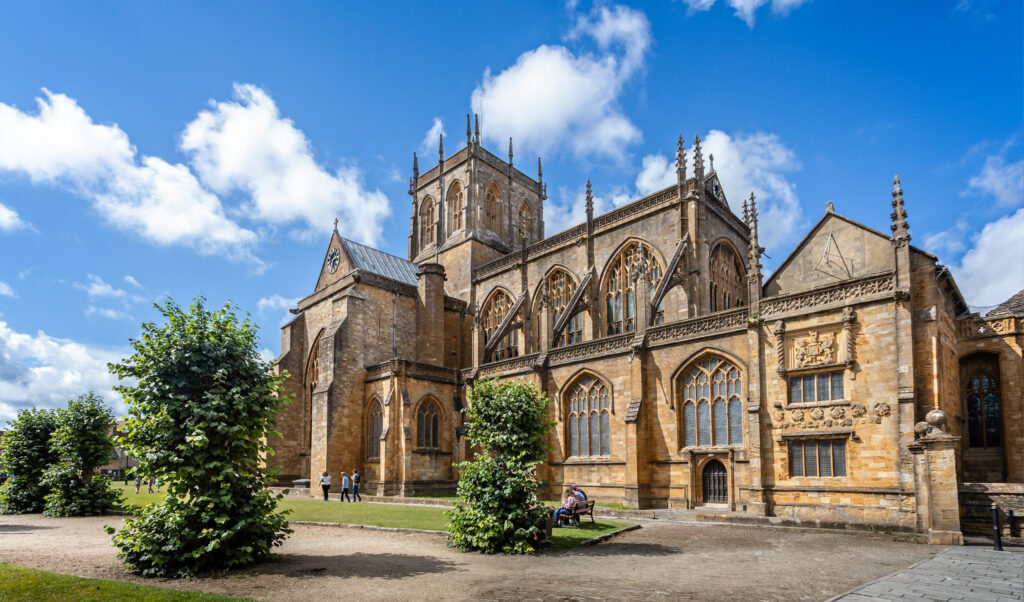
(815, 349)
(592, 349)
(523, 363)
(694, 327)
(846, 291)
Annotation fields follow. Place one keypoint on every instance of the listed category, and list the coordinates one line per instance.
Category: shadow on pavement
(16, 528)
(385, 566)
(628, 549)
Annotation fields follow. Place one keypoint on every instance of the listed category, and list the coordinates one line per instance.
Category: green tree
(201, 412)
(508, 422)
(24, 456)
(81, 444)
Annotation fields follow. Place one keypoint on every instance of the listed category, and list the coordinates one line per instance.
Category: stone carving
(858, 410)
(815, 349)
(517, 364)
(834, 294)
(779, 415)
(797, 416)
(817, 414)
(779, 332)
(635, 207)
(837, 413)
(849, 317)
(846, 422)
(882, 409)
(936, 419)
(564, 355)
(733, 320)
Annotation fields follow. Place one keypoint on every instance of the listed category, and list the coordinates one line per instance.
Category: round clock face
(333, 258)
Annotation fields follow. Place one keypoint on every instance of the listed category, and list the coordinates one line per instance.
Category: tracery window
(428, 222)
(589, 417)
(728, 288)
(980, 374)
(492, 208)
(374, 427)
(561, 287)
(712, 412)
(456, 208)
(620, 291)
(426, 425)
(312, 378)
(493, 314)
(525, 222)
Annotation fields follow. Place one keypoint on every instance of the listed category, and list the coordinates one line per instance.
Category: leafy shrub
(508, 421)
(202, 410)
(81, 443)
(25, 455)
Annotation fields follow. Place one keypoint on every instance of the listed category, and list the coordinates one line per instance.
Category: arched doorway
(715, 486)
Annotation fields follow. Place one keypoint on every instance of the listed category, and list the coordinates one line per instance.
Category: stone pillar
(937, 495)
(430, 314)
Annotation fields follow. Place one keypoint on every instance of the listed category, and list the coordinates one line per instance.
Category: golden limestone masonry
(852, 387)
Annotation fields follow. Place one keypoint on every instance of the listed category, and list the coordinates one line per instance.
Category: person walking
(344, 488)
(152, 481)
(325, 483)
(355, 487)
(138, 481)
(126, 473)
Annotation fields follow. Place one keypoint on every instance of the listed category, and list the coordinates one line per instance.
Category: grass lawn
(429, 518)
(20, 583)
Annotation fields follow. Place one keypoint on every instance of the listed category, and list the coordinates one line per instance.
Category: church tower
(472, 208)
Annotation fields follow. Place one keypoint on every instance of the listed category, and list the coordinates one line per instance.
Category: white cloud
(98, 288)
(552, 96)
(10, 220)
(428, 146)
(246, 145)
(43, 371)
(267, 355)
(991, 271)
(747, 9)
(6, 290)
(656, 173)
(105, 312)
(1004, 182)
(571, 208)
(161, 202)
(951, 240)
(132, 281)
(277, 303)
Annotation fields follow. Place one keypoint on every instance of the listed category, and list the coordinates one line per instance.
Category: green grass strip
(21, 583)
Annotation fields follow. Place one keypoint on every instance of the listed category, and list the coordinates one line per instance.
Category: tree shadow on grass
(383, 566)
(16, 529)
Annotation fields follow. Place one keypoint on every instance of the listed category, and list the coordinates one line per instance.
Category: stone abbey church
(852, 386)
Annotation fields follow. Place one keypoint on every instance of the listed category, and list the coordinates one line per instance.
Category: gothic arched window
(312, 378)
(427, 424)
(712, 412)
(492, 208)
(374, 427)
(620, 292)
(456, 208)
(980, 375)
(525, 222)
(588, 405)
(561, 287)
(728, 288)
(428, 222)
(494, 312)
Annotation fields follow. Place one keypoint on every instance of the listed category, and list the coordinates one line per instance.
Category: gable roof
(378, 262)
(1012, 306)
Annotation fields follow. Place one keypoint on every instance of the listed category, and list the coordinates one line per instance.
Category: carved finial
(476, 126)
(335, 224)
(440, 147)
(900, 227)
(510, 151)
(540, 172)
(590, 200)
(756, 250)
(698, 161)
(412, 188)
(711, 160)
(746, 213)
(415, 167)
(469, 132)
(829, 207)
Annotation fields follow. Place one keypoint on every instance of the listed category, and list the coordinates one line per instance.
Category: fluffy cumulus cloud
(241, 150)
(43, 371)
(6, 290)
(656, 172)
(552, 96)
(10, 220)
(569, 207)
(986, 275)
(747, 9)
(428, 146)
(276, 303)
(1001, 180)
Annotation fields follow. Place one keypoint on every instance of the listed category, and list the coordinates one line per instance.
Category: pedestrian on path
(138, 481)
(325, 483)
(152, 481)
(355, 486)
(344, 488)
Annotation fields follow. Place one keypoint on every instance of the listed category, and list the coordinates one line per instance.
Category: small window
(817, 458)
(426, 425)
(374, 426)
(825, 386)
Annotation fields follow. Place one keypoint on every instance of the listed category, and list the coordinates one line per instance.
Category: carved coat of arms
(814, 349)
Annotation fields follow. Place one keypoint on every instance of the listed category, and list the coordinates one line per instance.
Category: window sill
(429, 451)
(818, 404)
(816, 368)
(598, 461)
(711, 448)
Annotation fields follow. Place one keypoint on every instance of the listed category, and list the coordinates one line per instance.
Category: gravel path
(677, 561)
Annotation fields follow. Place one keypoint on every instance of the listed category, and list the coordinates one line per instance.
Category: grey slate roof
(1014, 306)
(380, 263)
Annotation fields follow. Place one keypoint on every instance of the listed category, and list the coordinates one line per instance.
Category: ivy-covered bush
(201, 412)
(508, 422)
(24, 456)
(82, 443)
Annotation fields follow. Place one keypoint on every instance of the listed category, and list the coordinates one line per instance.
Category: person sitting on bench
(569, 501)
(580, 495)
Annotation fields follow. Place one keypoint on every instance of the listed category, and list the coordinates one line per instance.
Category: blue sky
(150, 150)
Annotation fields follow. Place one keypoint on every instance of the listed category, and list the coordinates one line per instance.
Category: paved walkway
(957, 573)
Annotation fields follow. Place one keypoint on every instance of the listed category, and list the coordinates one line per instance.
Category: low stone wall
(976, 501)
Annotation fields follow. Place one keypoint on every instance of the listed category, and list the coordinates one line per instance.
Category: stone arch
(617, 299)
(524, 222)
(982, 399)
(311, 378)
(561, 283)
(428, 222)
(373, 427)
(492, 312)
(727, 282)
(587, 409)
(492, 208)
(455, 208)
(429, 420)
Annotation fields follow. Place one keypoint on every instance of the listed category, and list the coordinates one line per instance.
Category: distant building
(120, 461)
(851, 386)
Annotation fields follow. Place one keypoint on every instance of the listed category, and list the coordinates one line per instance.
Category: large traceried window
(374, 427)
(427, 419)
(980, 375)
(620, 293)
(428, 222)
(728, 287)
(494, 312)
(712, 411)
(312, 377)
(525, 223)
(561, 287)
(589, 417)
(492, 208)
(456, 208)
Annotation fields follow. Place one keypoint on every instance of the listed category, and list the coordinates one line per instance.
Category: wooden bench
(572, 517)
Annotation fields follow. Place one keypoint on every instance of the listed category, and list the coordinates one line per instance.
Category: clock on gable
(333, 259)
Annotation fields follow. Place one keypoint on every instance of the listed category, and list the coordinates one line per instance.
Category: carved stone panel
(814, 349)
